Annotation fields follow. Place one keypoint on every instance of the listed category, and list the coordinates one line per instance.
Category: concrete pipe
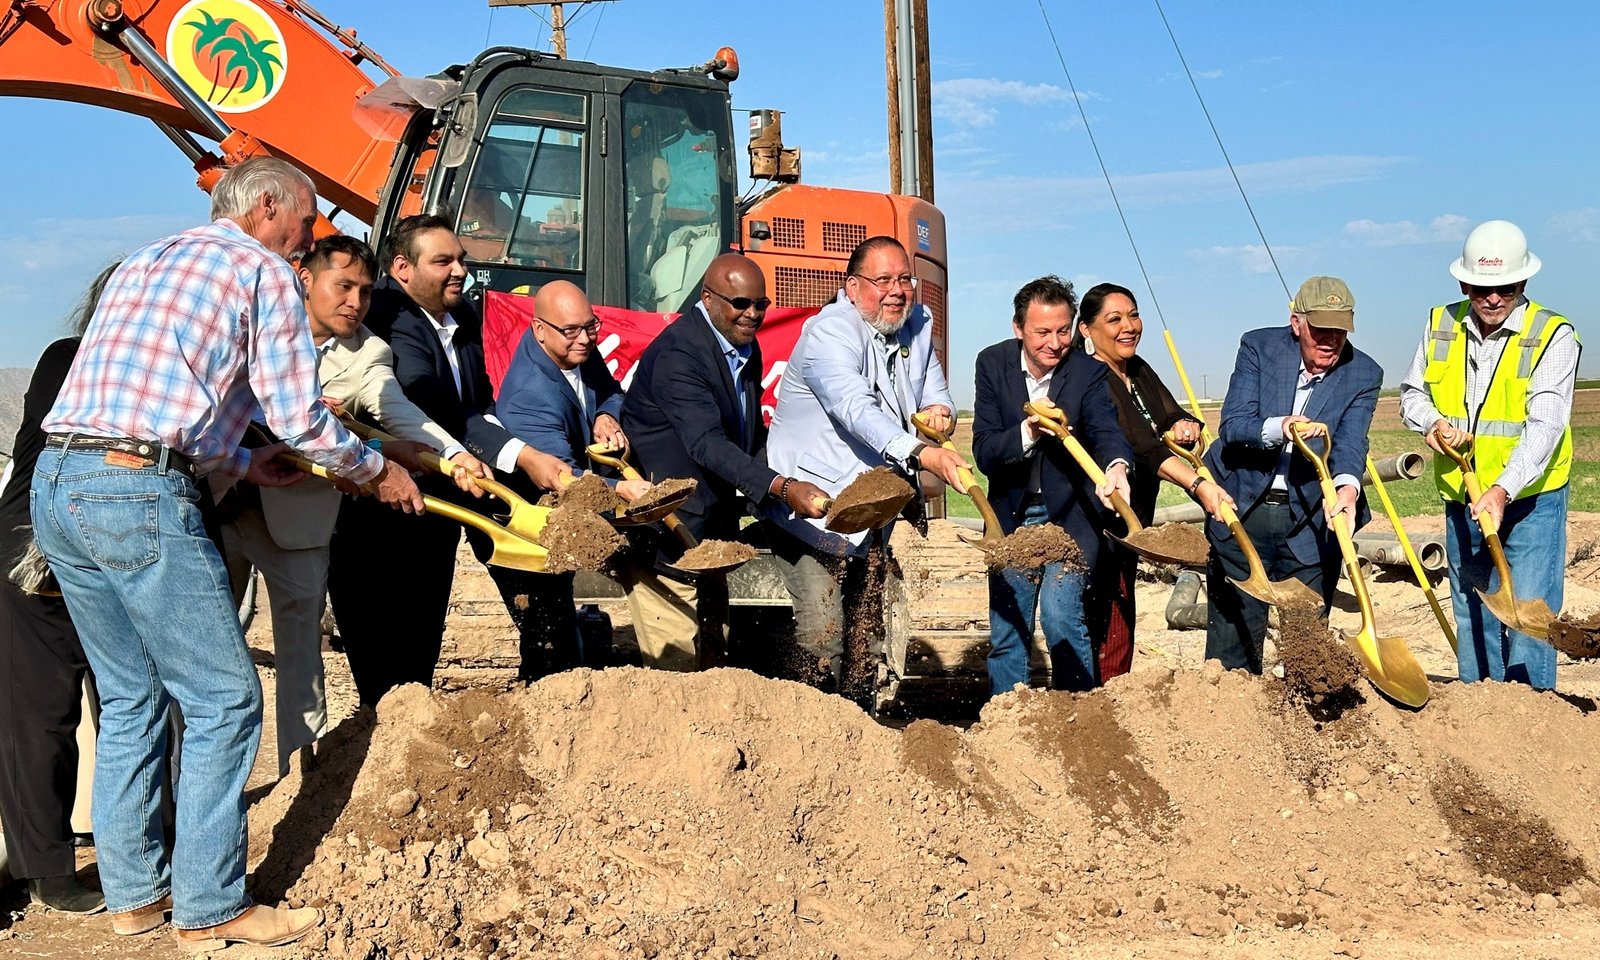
(1401, 466)
(1387, 551)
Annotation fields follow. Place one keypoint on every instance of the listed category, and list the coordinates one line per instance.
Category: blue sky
(1370, 137)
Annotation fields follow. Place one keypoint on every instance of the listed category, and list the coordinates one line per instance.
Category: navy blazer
(539, 407)
(1262, 387)
(1078, 387)
(424, 372)
(682, 417)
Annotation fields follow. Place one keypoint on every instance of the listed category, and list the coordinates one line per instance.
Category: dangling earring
(1088, 346)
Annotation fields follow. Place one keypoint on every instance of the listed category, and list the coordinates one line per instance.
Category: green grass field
(1412, 498)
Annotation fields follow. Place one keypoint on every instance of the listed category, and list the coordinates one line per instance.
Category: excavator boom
(275, 71)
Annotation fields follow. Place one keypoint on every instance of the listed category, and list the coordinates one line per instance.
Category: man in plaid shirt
(195, 335)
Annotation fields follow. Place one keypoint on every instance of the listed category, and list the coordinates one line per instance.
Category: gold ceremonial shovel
(1532, 617)
(509, 550)
(663, 511)
(1054, 419)
(526, 520)
(991, 523)
(1280, 593)
(1389, 663)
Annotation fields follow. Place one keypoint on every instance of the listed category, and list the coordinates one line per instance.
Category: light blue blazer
(838, 411)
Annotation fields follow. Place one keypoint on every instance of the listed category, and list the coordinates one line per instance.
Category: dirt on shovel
(588, 492)
(578, 539)
(1030, 548)
(714, 554)
(665, 490)
(866, 496)
(1578, 639)
(1182, 542)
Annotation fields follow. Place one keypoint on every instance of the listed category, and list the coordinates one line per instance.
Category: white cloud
(1448, 228)
(1581, 226)
(84, 244)
(971, 101)
(1209, 74)
(1251, 258)
(1019, 204)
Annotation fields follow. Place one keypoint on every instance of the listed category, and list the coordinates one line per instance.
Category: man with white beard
(863, 366)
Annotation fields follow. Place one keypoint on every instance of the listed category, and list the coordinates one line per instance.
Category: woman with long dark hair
(1109, 329)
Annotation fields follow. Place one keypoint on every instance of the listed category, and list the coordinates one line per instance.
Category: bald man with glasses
(693, 409)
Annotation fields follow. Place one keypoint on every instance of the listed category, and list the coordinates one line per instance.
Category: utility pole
(910, 97)
(558, 19)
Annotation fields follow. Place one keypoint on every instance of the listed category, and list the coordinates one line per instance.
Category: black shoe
(66, 894)
(83, 839)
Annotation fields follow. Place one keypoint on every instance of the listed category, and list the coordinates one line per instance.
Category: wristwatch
(914, 458)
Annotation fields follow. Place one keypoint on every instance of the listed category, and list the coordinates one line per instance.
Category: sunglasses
(741, 304)
(1504, 290)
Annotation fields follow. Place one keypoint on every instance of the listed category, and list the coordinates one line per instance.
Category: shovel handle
(618, 460)
(963, 475)
(1054, 420)
(434, 462)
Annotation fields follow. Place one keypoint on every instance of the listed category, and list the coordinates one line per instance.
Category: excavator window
(524, 203)
(674, 192)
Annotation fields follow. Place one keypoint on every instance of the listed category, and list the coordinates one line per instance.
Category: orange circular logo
(230, 52)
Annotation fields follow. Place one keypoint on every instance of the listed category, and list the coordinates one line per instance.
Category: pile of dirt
(867, 499)
(588, 492)
(1172, 813)
(710, 554)
(578, 539)
(1317, 666)
(676, 489)
(1180, 543)
(1575, 637)
(1029, 548)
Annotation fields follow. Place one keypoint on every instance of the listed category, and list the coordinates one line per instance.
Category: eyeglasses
(592, 328)
(741, 304)
(1504, 290)
(883, 283)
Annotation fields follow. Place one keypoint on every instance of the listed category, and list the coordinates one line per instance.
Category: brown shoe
(258, 926)
(131, 923)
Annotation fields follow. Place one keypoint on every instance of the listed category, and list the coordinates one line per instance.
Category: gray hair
(244, 183)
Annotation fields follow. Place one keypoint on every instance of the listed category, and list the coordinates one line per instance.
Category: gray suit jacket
(838, 410)
(359, 370)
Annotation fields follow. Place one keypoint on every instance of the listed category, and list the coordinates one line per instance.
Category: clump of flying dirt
(1030, 548)
(1504, 839)
(712, 554)
(1180, 543)
(1577, 638)
(1317, 667)
(864, 626)
(669, 489)
(588, 492)
(578, 539)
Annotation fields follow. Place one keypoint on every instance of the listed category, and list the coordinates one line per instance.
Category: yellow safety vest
(1496, 426)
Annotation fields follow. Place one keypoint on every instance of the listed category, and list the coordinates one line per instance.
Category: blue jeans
(150, 598)
(1058, 594)
(1534, 533)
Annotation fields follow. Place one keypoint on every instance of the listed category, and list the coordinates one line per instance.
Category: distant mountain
(13, 384)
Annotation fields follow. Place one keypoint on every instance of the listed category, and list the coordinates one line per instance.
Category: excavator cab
(620, 181)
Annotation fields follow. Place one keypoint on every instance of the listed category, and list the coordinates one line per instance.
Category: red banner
(625, 333)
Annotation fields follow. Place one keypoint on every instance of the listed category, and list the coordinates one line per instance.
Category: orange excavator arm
(279, 76)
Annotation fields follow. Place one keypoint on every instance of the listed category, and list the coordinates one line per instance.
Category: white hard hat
(1496, 253)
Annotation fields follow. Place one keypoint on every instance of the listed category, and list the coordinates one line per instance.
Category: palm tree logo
(229, 51)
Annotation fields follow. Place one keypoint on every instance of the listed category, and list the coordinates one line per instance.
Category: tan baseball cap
(1326, 302)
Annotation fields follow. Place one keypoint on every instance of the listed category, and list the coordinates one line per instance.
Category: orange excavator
(622, 181)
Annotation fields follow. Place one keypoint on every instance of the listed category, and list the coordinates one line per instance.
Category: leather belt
(149, 451)
(1280, 497)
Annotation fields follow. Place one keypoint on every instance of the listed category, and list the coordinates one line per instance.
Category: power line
(594, 33)
(1236, 182)
(1103, 171)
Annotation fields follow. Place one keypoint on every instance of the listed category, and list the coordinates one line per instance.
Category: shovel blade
(867, 516)
(1391, 667)
(516, 554)
(1532, 617)
(655, 511)
(1134, 543)
(526, 520)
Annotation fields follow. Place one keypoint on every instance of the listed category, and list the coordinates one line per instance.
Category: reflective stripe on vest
(1502, 418)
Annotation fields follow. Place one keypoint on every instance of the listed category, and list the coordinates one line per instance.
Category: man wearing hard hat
(1498, 370)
